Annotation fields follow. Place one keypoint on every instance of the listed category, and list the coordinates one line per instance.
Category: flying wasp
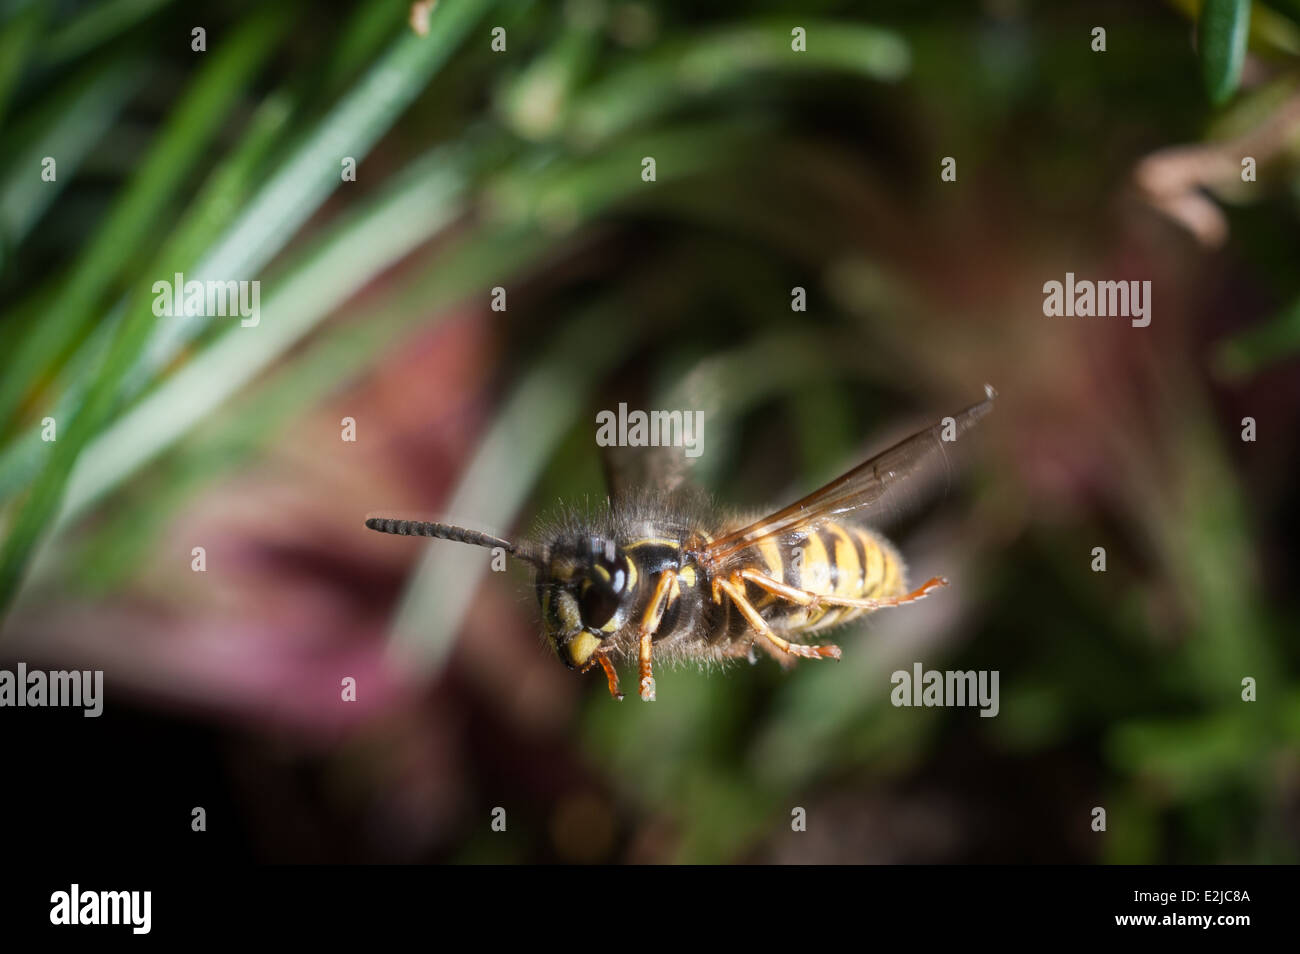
(659, 575)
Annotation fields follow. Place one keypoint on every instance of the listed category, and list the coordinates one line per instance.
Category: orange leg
(649, 626)
(749, 652)
(611, 674)
(736, 591)
(812, 600)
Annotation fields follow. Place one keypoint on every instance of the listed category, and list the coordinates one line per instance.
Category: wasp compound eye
(598, 604)
(612, 575)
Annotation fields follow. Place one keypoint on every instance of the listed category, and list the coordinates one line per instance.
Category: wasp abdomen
(832, 560)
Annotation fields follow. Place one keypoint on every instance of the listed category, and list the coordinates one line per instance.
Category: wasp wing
(660, 471)
(633, 471)
(884, 485)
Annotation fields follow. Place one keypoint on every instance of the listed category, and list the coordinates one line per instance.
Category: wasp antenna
(967, 418)
(528, 553)
(446, 531)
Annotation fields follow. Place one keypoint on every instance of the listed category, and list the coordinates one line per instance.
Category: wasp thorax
(585, 589)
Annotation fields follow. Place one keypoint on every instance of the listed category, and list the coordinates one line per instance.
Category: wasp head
(585, 588)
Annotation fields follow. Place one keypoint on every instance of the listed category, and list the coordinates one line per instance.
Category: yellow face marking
(631, 574)
(602, 572)
(570, 618)
(687, 576)
(581, 647)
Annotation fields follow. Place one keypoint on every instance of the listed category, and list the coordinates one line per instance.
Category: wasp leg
(611, 674)
(654, 614)
(811, 600)
(750, 653)
(737, 593)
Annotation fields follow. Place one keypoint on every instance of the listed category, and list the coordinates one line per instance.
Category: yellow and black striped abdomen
(833, 560)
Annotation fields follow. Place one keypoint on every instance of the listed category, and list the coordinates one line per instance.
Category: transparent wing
(884, 485)
(633, 470)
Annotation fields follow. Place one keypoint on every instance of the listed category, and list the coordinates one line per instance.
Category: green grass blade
(180, 145)
(67, 127)
(226, 189)
(351, 129)
(719, 59)
(422, 202)
(135, 215)
(95, 25)
(1224, 28)
(444, 276)
(17, 39)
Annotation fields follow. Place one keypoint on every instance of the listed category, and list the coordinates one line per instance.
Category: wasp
(658, 574)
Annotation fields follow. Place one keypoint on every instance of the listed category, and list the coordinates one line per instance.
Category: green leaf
(1224, 27)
